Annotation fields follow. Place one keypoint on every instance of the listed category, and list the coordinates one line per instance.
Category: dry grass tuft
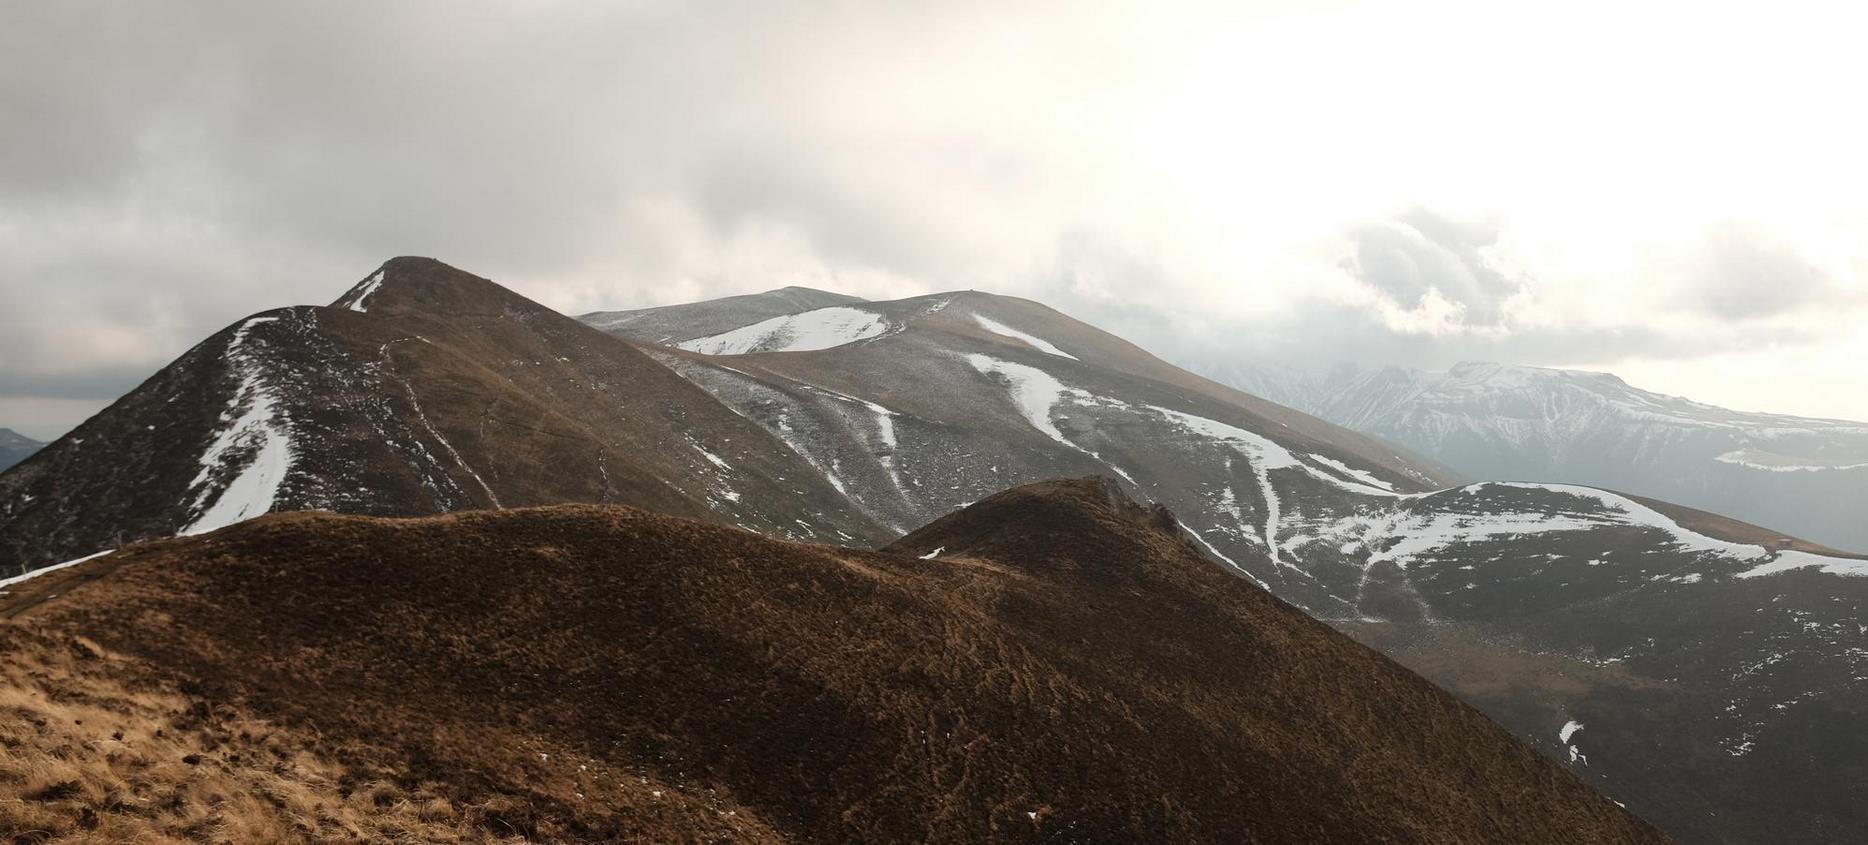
(93, 751)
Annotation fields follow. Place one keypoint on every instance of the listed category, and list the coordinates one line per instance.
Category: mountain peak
(419, 283)
(1498, 374)
(813, 295)
(1046, 520)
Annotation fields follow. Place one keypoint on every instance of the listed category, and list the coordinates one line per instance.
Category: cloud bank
(1275, 181)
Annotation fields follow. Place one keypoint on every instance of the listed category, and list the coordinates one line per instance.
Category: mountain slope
(677, 323)
(1803, 476)
(15, 447)
(934, 402)
(1074, 670)
(940, 399)
(423, 390)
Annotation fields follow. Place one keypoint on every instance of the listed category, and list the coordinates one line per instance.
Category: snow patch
(1264, 455)
(712, 458)
(1639, 514)
(823, 328)
(1421, 533)
(359, 301)
(1211, 549)
(256, 432)
(1359, 475)
(1569, 730)
(1034, 391)
(1789, 560)
(1037, 343)
(8, 582)
(1750, 459)
(934, 554)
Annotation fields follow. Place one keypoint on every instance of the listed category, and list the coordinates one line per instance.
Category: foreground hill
(1068, 667)
(14, 447)
(1803, 476)
(1718, 668)
(423, 389)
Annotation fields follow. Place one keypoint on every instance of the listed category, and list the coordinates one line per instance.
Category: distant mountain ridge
(687, 321)
(15, 447)
(1805, 476)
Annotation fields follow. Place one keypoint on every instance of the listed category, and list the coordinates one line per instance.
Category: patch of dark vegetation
(1070, 668)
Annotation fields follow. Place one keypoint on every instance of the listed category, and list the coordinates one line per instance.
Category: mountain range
(14, 447)
(1705, 672)
(1801, 475)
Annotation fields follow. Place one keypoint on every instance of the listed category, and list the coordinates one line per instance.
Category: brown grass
(92, 751)
(1072, 671)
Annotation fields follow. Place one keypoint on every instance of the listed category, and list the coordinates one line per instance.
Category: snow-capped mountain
(15, 447)
(1806, 477)
(1701, 656)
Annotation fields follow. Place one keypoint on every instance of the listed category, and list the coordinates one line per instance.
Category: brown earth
(1068, 669)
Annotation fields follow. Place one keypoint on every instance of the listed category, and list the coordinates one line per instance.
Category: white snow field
(823, 328)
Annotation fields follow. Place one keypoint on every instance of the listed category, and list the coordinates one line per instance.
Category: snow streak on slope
(1430, 531)
(885, 434)
(8, 582)
(822, 328)
(1347, 470)
(1268, 455)
(1262, 454)
(255, 445)
(1639, 514)
(1037, 393)
(384, 365)
(359, 301)
(1753, 459)
(1034, 391)
(1037, 343)
(1789, 560)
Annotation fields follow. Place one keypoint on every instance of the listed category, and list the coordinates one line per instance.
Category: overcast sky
(1671, 192)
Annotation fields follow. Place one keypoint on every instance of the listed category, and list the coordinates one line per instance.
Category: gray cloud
(166, 169)
(1420, 251)
(1744, 274)
(1094, 278)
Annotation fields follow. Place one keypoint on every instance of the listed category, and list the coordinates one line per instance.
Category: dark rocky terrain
(1071, 669)
(423, 390)
(1799, 475)
(14, 447)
